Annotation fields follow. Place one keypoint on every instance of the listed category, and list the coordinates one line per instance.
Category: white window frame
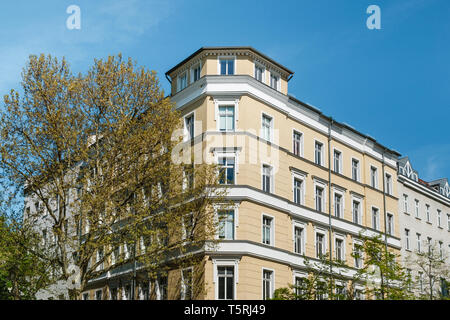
(340, 171)
(301, 177)
(407, 239)
(301, 225)
(388, 182)
(263, 73)
(390, 223)
(271, 128)
(324, 192)
(231, 154)
(277, 75)
(378, 226)
(361, 258)
(193, 67)
(341, 237)
(358, 171)
(416, 208)
(272, 229)
(361, 208)
(185, 129)
(376, 177)
(225, 263)
(439, 218)
(342, 208)
(221, 207)
(181, 75)
(322, 153)
(219, 103)
(183, 284)
(272, 282)
(405, 203)
(224, 57)
(318, 230)
(301, 142)
(272, 177)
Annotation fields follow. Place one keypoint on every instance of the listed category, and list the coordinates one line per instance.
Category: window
(127, 292)
(338, 205)
(416, 208)
(267, 284)
(267, 230)
(86, 296)
(318, 153)
(339, 248)
(162, 288)
(441, 250)
(448, 222)
(320, 291)
(439, 218)
(358, 294)
(355, 169)
(182, 81)
(407, 239)
(341, 292)
(421, 281)
(226, 118)
(374, 177)
(356, 210)
(298, 240)
(266, 127)
(297, 143)
(357, 255)
(98, 295)
(405, 203)
(375, 219)
(226, 170)
(418, 242)
(100, 258)
(195, 71)
(189, 125)
(113, 293)
(320, 245)
(259, 73)
(390, 224)
(298, 190)
(186, 284)
(428, 213)
(388, 184)
(225, 277)
(226, 66)
(300, 286)
(226, 224)
(337, 161)
(274, 81)
(267, 178)
(319, 199)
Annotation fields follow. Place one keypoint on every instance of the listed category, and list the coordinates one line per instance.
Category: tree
(386, 278)
(431, 265)
(320, 284)
(95, 155)
(23, 271)
(381, 275)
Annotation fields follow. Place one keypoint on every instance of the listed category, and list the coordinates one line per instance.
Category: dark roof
(231, 48)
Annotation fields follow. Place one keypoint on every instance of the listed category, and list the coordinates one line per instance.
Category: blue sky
(392, 84)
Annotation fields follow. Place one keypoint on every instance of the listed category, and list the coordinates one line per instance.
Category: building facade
(424, 216)
(302, 184)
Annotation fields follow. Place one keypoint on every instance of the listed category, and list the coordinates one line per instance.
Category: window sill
(418, 218)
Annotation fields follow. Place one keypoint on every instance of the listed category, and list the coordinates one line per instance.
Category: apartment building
(302, 183)
(424, 218)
